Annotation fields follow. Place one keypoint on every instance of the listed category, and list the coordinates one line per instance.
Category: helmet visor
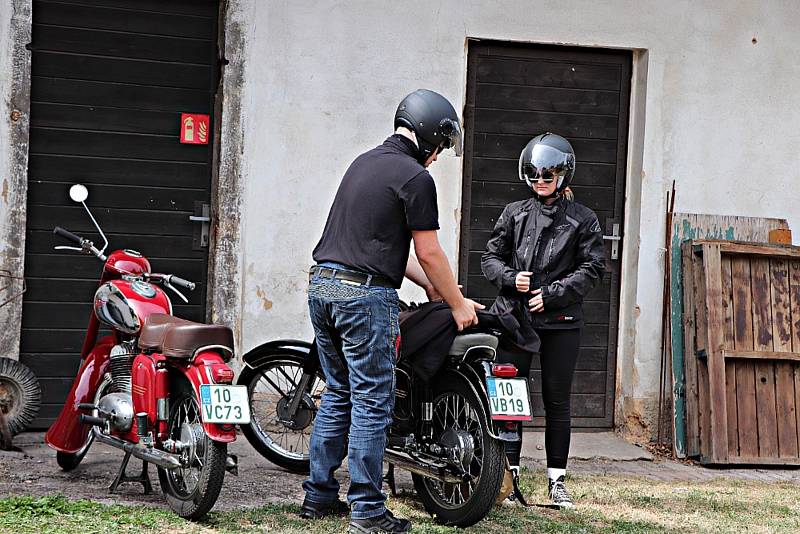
(451, 134)
(546, 162)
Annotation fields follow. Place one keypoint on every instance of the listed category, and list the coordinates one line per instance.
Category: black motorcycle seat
(464, 342)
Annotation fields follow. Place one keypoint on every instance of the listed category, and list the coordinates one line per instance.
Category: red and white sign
(194, 128)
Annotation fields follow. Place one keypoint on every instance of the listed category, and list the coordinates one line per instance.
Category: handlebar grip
(66, 234)
(178, 281)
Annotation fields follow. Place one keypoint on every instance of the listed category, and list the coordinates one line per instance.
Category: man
(386, 199)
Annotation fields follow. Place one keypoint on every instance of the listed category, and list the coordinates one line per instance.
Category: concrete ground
(33, 471)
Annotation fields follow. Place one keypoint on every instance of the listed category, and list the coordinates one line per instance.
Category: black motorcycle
(449, 433)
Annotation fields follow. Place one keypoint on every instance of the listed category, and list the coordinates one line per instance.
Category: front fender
(67, 434)
(254, 356)
(198, 372)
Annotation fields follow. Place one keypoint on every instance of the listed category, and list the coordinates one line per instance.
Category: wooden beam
(716, 344)
(746, 247)
(761, 355)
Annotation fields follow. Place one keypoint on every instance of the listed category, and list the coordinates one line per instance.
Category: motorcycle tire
(256, 431)
(481, 499)
(20, 399)
(193, 502)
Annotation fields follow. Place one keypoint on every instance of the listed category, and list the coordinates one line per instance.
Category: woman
(545, 254)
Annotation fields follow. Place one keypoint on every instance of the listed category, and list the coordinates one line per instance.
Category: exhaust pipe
(147, 454)
(423, 468)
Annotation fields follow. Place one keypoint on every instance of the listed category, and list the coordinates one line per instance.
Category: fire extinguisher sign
(195, 128)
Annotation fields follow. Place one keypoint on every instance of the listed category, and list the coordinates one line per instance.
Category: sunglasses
(545, 176)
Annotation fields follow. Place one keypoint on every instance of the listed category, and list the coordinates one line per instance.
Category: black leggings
(558, 355)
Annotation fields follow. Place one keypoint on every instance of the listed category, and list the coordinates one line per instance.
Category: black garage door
(110, 79)
(513, 93)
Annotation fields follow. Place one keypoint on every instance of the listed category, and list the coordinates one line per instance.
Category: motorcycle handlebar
(178, 281)
(66, 234)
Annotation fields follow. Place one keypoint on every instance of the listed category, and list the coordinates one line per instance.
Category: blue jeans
(356, 328)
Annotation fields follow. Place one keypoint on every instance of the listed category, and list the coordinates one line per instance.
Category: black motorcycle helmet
(550, 156)
(433, 119)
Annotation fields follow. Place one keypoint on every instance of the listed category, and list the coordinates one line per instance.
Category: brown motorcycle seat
(178, 338)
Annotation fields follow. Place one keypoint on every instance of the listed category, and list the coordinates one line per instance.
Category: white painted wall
(6, 47)
(720, 117)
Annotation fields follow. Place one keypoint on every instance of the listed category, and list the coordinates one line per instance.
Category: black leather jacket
(562, 244)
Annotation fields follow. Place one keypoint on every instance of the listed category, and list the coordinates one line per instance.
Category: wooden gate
(742, 320)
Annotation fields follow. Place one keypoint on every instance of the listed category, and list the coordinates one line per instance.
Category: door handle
(615, 238)
(202, 215)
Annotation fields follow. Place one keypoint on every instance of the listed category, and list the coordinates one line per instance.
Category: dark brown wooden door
(515, 92)
(110, 79)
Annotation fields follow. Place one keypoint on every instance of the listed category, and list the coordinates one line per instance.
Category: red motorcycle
(158, 387)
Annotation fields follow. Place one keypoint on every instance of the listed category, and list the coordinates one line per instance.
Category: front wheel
(282, 437)
(192, 490)
(458, 424)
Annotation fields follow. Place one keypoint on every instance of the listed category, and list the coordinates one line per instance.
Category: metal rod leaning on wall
(666, 331)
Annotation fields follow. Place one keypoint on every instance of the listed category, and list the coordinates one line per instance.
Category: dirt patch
(34, 471)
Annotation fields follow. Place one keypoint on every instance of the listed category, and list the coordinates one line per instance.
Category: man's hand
(464, 314)
(536, 304)
(433, 295)
(523, 281)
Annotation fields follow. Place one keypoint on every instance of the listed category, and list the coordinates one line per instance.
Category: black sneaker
(383, 523)
(317, 510)
(558, 493)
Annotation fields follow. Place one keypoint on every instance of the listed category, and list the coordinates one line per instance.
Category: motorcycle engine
(119, 406)
(121, 363)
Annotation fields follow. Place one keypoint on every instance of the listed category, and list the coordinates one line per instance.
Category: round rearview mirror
(78, 193)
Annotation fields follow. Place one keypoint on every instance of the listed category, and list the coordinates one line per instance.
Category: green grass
(606, 504)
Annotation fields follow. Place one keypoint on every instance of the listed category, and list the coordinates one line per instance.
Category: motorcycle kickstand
(143, 478)
(389, 478)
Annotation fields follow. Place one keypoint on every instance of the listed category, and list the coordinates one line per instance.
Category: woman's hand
(536, 304)
(523, 281)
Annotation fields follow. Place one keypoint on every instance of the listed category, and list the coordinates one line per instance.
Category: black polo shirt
(384, 195)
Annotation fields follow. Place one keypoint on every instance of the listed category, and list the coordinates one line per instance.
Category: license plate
(224, 404)
(509, 399)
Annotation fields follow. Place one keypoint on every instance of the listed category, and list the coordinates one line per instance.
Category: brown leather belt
(350, 277)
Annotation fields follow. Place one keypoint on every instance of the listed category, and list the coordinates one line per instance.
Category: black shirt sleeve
(419, 198)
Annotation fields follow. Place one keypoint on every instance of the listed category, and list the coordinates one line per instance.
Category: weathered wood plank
(760, 355)
(715, 361)
(690, 361)
(765, 370)
(753, 249)
(794, 303)
(730, 366)
(781, 307)
(745, 370)
(701, 344)
(762, 308)
(785, 409)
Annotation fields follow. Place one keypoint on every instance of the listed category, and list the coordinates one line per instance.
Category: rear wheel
(20, 398)
(192, 490)
(459, 425)
(283, 438)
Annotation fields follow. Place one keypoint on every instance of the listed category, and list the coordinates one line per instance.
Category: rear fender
(67, 434)
(199, 372)
(475, 375)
